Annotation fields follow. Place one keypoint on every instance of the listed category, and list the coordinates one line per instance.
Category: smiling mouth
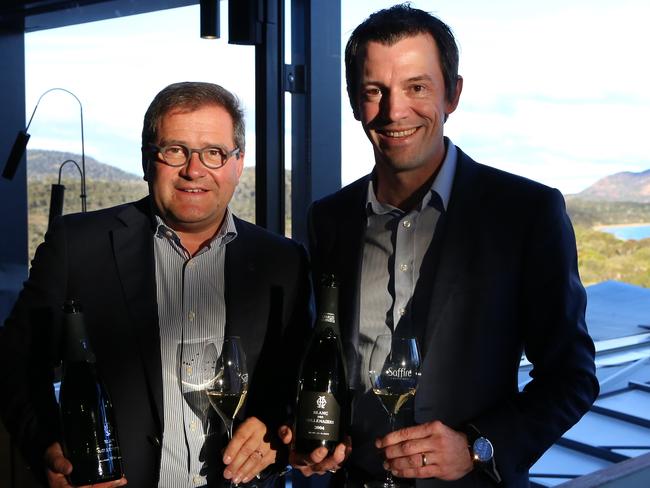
(399, 133)
(191, 190)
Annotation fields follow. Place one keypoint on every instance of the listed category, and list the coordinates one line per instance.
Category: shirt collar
(227, 232)
(440, 188)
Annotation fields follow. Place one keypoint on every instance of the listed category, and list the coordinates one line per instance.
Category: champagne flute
(225, 377)
(394, 373)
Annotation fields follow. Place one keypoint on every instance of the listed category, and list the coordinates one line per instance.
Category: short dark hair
(393, 24)
(190, 96)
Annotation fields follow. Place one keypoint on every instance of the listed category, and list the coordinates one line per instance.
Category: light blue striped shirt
(394, 246)
(191, 309)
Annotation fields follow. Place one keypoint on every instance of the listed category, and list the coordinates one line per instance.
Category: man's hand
(58, 467)
(426, 451)
(316, 462)
(249, 451)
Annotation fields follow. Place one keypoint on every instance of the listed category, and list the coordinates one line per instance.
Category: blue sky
(555, 90)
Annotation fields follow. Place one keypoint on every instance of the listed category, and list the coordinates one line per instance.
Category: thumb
(56, 461)
(285, 434)
(61, 465)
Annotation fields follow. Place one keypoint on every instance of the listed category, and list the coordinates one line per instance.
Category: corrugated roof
(618, 425)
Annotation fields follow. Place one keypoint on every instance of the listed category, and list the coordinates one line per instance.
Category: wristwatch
(481, 451)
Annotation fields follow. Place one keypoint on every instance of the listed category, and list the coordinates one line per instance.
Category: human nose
(194, 168)
(395, 105)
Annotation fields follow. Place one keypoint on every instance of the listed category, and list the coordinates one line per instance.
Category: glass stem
(229, 424)
(390, 482)
(229, 428)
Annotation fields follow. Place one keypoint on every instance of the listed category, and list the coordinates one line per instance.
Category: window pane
(115, 68)
(557, 92)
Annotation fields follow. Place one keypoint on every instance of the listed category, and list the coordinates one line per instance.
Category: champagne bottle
(322, 411)
(89, 436)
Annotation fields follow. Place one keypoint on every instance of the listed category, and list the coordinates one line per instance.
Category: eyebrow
(419, 78)
(172, 142)
(408, 80)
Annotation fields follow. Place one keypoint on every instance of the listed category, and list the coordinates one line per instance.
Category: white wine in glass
(225, 377)
(394, 373)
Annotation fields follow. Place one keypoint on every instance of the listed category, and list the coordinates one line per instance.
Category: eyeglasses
(176, 155)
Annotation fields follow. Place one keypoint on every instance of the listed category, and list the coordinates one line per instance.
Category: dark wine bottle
(322, 410)
(89, 435)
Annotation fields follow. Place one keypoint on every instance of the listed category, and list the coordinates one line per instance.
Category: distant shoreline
(614, 226)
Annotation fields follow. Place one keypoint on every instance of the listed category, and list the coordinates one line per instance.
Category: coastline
(614, 226)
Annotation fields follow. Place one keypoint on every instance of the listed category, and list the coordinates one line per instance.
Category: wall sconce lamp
(57, 194)
(20, 144)
(209, 19)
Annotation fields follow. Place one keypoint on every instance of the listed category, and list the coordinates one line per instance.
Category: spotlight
(209, 19)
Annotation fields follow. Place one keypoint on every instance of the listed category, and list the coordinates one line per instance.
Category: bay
(626, 232)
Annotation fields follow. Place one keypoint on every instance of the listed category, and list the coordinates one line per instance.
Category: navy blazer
(500, 278)
(106, 260)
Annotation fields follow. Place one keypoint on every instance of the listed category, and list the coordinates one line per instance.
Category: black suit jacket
(500, 278)
(106, 260)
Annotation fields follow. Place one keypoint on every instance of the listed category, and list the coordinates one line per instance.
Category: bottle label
(110, 452)
(328, 317)
(318, 416)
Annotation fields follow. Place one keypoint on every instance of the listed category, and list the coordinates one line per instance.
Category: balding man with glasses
(157, 278)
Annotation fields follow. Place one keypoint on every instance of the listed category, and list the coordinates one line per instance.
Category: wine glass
(394, 373)
(225, 377)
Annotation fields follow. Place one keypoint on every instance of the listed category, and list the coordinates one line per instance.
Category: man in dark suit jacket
(478, 264)
(134, 266)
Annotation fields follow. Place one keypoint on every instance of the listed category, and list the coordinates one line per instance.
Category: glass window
(557, 92)
(115, 67)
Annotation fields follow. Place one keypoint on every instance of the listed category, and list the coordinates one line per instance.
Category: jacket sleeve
(552, 310)
(29, 353)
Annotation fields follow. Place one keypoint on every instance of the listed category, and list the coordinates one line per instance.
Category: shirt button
(196, 480)
(404, 267)
(406, 224)
(191, 316)
(193, 425)
(402, 311)
(190, 264)
(188, 370)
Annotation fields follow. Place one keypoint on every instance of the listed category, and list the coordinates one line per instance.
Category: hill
(592, 213)
(44, 165)
(620, 187)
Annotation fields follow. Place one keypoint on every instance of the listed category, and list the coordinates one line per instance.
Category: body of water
(626, 232)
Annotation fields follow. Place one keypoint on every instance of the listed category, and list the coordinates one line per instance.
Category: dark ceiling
(32, 15)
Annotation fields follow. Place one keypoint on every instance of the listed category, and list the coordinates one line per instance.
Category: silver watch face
(482, 450)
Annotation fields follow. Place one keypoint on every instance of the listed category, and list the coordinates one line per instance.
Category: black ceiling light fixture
(209, 19)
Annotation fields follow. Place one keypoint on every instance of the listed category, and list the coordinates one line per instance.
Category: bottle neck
(328, 305)
(77, 347)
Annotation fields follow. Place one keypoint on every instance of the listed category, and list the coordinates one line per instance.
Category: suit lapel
(240, 280)
(448, 248)
(351, 222)
(134, 258)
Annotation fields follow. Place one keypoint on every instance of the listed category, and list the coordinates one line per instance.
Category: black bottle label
(318, 416)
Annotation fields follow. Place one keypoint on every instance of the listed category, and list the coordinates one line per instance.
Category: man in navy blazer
(135, 269)
(478, 264)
